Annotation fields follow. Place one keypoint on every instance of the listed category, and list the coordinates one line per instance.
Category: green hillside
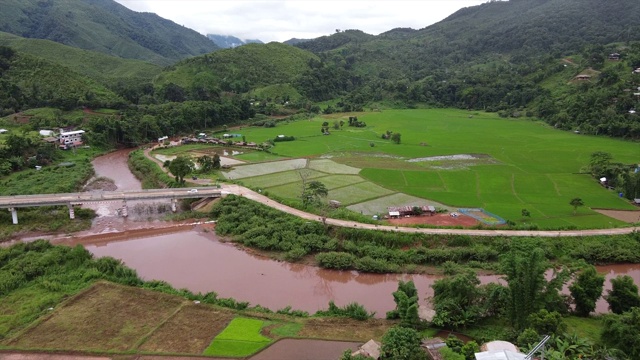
(98, 66)
(27, 81)
(240, 69)
(104, 26)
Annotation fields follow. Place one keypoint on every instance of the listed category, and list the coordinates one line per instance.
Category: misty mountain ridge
(229, 41)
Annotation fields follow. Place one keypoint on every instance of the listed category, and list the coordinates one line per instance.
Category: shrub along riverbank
(293, 239)
(148, 172)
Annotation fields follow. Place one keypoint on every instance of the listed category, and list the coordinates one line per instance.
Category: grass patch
(52, 179)
(344, 329)
(589, 328)
(240, 338)
(286, 329)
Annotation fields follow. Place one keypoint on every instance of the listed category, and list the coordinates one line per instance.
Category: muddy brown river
(198, 261)
(192, 257)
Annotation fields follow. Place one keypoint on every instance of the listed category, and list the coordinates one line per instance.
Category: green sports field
(453, 157)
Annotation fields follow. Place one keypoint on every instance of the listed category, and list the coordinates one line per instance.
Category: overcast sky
(281, 20)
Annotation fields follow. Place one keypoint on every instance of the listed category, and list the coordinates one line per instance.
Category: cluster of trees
(21, 151)
(534, 304)
(624, 178)
(393, 136)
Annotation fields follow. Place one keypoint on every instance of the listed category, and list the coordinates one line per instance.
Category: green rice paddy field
(506, 165)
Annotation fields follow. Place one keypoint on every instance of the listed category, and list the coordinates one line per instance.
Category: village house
(70, 139)
(400, 211)
(583, 77)
(614, 56)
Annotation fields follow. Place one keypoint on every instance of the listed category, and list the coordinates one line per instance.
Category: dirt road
(250, 194)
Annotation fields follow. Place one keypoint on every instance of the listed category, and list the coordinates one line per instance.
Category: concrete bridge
(12, 203)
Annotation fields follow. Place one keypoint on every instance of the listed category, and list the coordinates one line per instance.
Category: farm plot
(336, 181)
(189, 331)
(245, 171)
(358, 193)
(331, 167)
(240, 338)
(380, 205)
(374, 161)
(280, 178)
(106, 317)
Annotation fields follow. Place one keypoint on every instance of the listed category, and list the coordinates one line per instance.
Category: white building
(71, 138)
(46, 132)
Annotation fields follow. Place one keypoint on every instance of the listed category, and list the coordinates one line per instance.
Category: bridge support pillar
(174, 205)
(72, 213)
(125, 210)
(14, 215)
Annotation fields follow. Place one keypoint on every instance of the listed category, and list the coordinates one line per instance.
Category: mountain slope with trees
(104, 26)
(95, 65)
(28, 82)
(238, 70)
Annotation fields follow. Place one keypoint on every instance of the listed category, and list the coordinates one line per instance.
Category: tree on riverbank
(586, 290)
(180, 167)
(406, 299)
(623, 294)
(529, 291)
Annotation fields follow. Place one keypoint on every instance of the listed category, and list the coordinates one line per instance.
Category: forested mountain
(294, 41)
(498, 56)
(98, 66)
(228, 41)
(28, 82)
(104, 26)
(518, 58)
(236, 70)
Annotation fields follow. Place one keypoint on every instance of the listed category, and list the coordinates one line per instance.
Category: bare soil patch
(437, 219)
(106, 317)
(33, 356)
(346, 329)
(629, 216)
(304, 349)
(189, 331)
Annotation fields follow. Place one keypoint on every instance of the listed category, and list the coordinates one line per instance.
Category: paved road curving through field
(250, 194)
